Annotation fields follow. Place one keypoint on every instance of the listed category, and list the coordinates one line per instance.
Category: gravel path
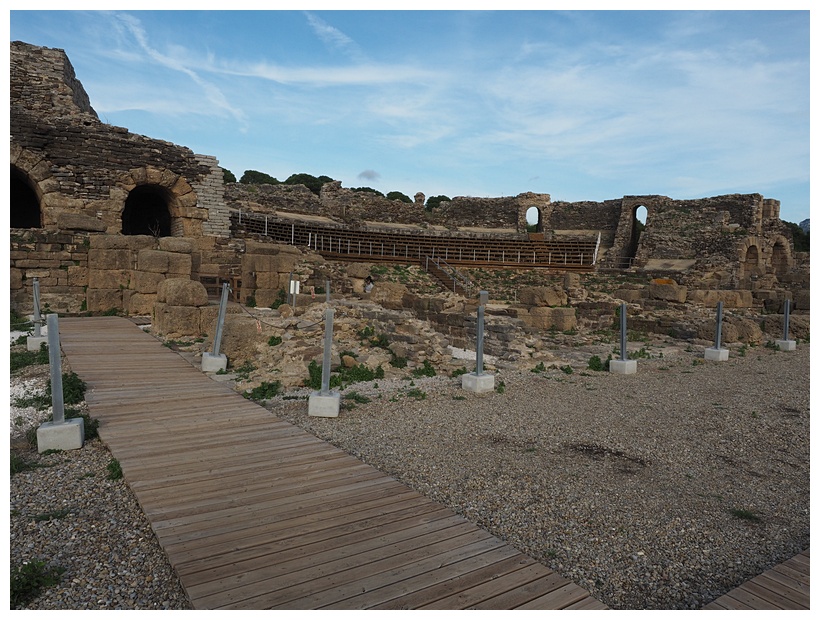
(660, 490)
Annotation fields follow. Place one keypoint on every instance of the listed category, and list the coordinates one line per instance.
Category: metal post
(327, 291)
(479, 348)
(223, 304)
(623, 332)
(718, 324)
(57, 404)
(290, 288)
(786, 306)
(38, 319)
(326, 357)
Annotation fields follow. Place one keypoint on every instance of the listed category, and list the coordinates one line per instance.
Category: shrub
(539, 368)
(266, 390)
(29, 579)
(595, 363)
(21, 359)
(114, 470)
(73, 389)
(398, 362)
(427, 370)
(274, 340)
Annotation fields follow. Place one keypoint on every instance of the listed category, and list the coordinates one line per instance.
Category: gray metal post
(718, 324)
(327, 291)
(479, 347)
(223, 305)
(38, 319)
(326, 357)
(57, 404)
(623, 332)
(786, 307)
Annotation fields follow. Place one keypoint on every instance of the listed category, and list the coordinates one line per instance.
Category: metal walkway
(254, 513)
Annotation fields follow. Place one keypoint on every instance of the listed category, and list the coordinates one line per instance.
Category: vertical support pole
(327, 291)
(479, 353)
(38, 319)
(290, 288)
(718, 324)
(326, 356)
(786, 306)
(57, 404)
(293, 234)
(623, 332)
(223, 305)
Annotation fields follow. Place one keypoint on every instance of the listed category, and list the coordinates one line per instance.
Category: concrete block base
(716, 355)
(324, 405)
(623, 367)
(214, 363)
(478, 383)
(786, 345)
(67, 435)
(33, 342)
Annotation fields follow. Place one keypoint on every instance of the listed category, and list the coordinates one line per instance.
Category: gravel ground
(660, 490)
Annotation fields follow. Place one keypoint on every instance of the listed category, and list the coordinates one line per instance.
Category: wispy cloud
(335, 38)
(215, 98)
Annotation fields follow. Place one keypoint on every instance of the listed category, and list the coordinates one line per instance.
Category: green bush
(595, 363)
(344, 376)
(274, 340)
(398, 362)
(266, 390)
(21, 359)
(73, 389)
(28, 581)
(427, 370)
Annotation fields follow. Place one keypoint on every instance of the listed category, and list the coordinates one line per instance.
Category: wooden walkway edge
(255, 513)
(786, 586)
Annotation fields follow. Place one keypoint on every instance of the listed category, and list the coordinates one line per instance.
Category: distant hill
(804, 225)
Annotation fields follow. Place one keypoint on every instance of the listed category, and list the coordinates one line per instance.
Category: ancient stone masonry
(81, 174)
(102, 217)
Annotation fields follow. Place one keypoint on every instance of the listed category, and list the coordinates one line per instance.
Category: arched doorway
(146, 212)
(639, 217)
(534, 224)
(24, 203)
(750, 265)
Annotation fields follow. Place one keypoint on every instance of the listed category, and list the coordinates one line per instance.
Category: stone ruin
(113, 222)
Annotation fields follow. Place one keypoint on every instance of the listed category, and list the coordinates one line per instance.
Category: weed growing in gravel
(357, 398)
(427, 370)
(539, 368)
(114, 470)
(53, 514)
(746, 515)
(265, 391)
(274, 340)
(567, 370)
(458, 372)
(21, 359)
(595, 363)
(29, 579)
(417, 394)
(500, 387)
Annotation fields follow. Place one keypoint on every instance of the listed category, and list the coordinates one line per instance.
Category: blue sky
(583, 105)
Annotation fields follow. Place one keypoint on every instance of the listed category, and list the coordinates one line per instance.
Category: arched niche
(147, 211)
(534, 222)
(24, 203)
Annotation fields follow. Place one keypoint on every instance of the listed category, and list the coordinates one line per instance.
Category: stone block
(623, 367)
(562, 319)
(79, 221)
(146, 281)
(180, 320)
(155, 261)
(786, 345)
(182, 292)
(138, 303)
(542, 296)
(716, 355)
(77, 275)
(109, 259)
(179, 264)
(628, 295)
(108, 278)
(103, 300)
(730, 299)
(667, 292)
(213, 363)
(15, 279)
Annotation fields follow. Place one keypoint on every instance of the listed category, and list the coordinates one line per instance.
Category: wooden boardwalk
(786, 586)
(254, 513)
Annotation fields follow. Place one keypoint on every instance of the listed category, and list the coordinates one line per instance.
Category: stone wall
(82, 170)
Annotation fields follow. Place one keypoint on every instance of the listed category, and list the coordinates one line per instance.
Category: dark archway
(146, 212)
(24, 211)
(750, 265)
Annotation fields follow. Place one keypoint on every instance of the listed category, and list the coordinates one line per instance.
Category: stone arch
(534, 213)
(781, 257)
(24, 202)
(751, 258)
(158, 200)
(146, 212)
(636, 228)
